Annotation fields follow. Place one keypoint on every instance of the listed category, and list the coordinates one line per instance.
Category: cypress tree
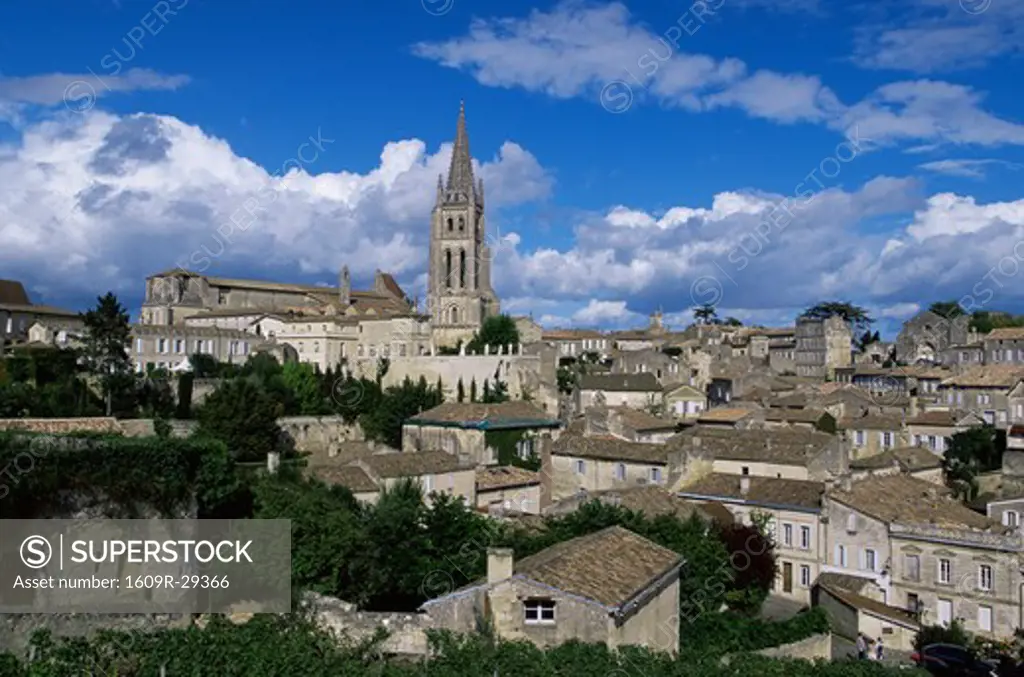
(461, 392)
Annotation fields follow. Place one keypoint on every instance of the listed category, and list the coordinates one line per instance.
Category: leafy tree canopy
(856, 316)
(496, 331)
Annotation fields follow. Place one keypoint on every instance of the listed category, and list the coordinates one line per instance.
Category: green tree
(243, 416)
(732, 322)
(304, 383)
(186, 381)
(946, 309)
(472, 390)
(460, 391)
(705, 314)
(397, 404)
(204, 365)
(853, 315)
(107, 335)
(497, 393)
(971, 452)
(496, 331)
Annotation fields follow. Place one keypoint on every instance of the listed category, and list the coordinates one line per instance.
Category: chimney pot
(499, 564)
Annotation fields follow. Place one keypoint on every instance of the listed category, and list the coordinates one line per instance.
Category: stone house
(666, 368)
(926, 337)
(821, 346)
(582, 463)
(794, 507)
(649, 499)
(783, 453)
(915, 461)
(611, 587)
(508, 489)
(474, 431)
(352, 477)
(1004, 346)
(684, 401)
(965, 355)
(637, 391)
(871, 434)
(932, 429)
(808, 419)
(628, 424)
(56, 331)
(435, 471)
(18, 314)
(929, 553)
(852, 612)
(575, 342)
(167, 346)
(1008, 510)
(529, 331)
(984, 390)
(1015, 404)
(850, 402)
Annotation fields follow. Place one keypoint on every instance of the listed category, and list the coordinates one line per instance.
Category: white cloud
(931, 36)
(603, 313)
(96, 202)
(971, 169)
(80, 89)
(599, 51)
(898, 311)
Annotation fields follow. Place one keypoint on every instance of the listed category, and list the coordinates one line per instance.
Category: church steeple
(460, 174)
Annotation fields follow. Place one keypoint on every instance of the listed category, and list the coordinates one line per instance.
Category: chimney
(744, 485)
(273, 462)
(546, 471)
(914, 406)
(344, 289)
(499, 565)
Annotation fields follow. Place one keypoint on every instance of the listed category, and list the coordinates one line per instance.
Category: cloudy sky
(761, 155)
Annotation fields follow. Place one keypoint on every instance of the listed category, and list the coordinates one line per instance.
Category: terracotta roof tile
(724, 415)
(609, 448)
(787, 446)
(350, 476)
(1005, 334)
(987, 376)
(872, 422)
(763, 490)
(611, 566)
(871, 606)
(500, 477)
(909, 500)
(643, 382)
(13, 293)
(413, 464)
(909, 459)
(641, 421)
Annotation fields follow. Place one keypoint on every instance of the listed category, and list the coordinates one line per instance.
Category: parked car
(952, 660)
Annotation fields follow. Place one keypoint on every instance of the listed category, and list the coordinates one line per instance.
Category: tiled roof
(794, 415)
(649, 499)
(870, 606)
(643, 382)
(39, 310)
(872, 422)
(909, 500)
(909, 459)
(189, 331)
(611, 566)
(763, 490)
(786, 446)
(684, 390)
(641, 421)
(13, 293)
(1005, 334)
(609, 448)
(569, 334)
(500, 477)
(413, 464)
(937, 417)
(724, 415)
(849, 582)
(513, 414)
(350, 476)
(987, 376)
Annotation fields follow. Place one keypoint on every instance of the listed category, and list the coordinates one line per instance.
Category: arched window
(462, 223)
(448, 268)
(455, 315)
(449, 224)
(462, 268)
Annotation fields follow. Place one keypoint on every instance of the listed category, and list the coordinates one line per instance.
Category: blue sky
(760, 154)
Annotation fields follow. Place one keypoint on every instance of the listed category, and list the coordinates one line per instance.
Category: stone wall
(406, 631)
(63, 426)
(321, 435)
(144, 427)
(811, 648)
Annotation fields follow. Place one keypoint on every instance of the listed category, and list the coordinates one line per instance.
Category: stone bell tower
(459, 293)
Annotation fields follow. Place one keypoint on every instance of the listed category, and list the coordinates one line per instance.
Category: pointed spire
(440, 189)
(460, 175)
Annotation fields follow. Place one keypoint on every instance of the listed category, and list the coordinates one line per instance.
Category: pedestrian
(880, 649)
(862, 647)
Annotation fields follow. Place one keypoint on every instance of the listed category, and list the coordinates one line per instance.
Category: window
(858, 438)
(1011, 518)
(620, 471)
(428, 483)
(179, 346)
(138, 345)
(851, 523)
(985, 577)
(580, 467)
(912, 567)
(840, 556)
(913, 603)
(985, 618)
(787, 534)
(887, 440)
(933, 443)
(805, 538)
(655, 475)
(538, 611)
(805, 575)
(745, 470)
(161, 345)
(945, 571)
(870, 559)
